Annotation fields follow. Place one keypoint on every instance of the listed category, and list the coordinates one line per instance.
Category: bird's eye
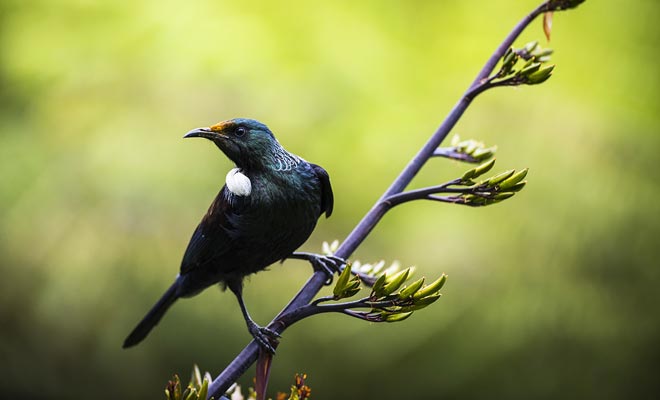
(240, 131)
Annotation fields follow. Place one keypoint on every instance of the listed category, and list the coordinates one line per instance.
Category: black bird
(267, 208)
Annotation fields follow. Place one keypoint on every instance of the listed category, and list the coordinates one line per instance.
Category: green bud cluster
(197, 388)
(393, 301)
(298, 391)
(348, 285)
(531, 70)
(492, 190)
(475, 149)
(477, 171)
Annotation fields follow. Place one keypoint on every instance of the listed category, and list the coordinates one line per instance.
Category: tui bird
(267, 208)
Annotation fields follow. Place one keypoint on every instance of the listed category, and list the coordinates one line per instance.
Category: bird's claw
(337, 262)
(265, 337)
(328, 264)
(271, 333)
(331, 264)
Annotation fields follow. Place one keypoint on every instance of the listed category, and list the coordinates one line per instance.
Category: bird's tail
(153, 316)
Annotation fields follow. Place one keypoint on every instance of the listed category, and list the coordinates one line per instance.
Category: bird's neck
(282, 160)
(279, 160)
(276, 159)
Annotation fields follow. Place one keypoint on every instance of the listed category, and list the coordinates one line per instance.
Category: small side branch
(424, 193)
(389, 301)
(466, 191)
(453, 154)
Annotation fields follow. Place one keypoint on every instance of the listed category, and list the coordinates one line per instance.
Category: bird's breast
(276, 218)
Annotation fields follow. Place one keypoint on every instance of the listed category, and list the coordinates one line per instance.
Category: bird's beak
(205, 133)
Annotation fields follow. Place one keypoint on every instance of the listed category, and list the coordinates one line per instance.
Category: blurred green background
(553, 294)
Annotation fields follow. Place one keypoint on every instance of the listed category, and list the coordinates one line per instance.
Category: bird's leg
(327, 264)
(263, 336)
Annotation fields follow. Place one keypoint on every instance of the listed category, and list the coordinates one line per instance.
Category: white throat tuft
(237, 183)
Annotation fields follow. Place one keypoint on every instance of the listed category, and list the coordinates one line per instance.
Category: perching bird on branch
(267, 208)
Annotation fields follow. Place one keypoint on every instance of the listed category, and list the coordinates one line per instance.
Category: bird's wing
(212, 238)
(327, 198)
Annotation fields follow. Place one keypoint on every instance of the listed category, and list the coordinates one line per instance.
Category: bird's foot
(331, 264)
(267, 338)
(328, 264)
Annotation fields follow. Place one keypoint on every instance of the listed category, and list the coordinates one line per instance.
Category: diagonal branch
(249, 354)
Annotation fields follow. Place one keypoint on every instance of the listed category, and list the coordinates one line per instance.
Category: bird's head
(248, 143)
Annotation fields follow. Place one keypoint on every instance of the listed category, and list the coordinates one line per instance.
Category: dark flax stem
(249, 354)
(419, 194)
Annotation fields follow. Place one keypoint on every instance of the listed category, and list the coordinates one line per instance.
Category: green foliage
(467, 150)
(392, 298)
(524, 66)
(491, 190)
(197, 388)
(347, 284)
(299, 391)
